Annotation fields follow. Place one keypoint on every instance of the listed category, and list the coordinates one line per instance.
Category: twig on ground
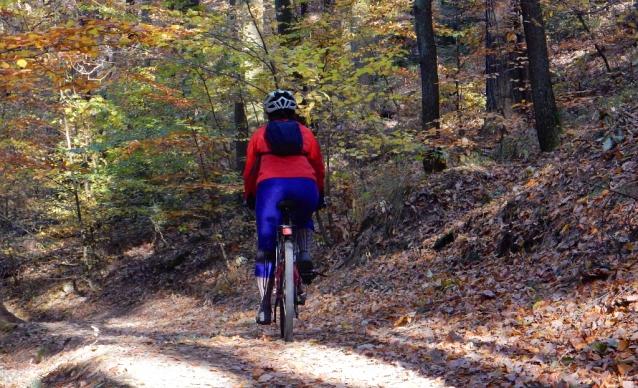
(612, 190)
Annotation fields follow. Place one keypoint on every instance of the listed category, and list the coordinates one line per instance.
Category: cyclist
(269, 178)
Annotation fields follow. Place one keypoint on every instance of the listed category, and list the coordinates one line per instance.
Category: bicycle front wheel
(287, 313)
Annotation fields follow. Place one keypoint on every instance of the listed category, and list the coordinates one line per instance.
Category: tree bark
(506, 74)
(241, 144)
(285, 14)
(428, 64)
(545, 110)
(250, 32)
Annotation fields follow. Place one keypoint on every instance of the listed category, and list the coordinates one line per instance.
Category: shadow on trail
(128, 283)
(501, 358)
(126, 357)
(411, 352)
(78, 375)
(412, 349)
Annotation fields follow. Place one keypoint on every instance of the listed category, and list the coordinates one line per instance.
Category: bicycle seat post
(286, 207)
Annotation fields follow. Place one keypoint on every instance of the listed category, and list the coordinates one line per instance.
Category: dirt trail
(157, 346)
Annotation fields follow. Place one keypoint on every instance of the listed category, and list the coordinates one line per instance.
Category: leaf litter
(537, 287)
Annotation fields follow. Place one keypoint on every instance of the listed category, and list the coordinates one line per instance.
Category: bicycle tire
(279, 308)
(289, 292)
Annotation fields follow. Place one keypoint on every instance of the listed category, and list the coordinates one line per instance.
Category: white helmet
(280, 99)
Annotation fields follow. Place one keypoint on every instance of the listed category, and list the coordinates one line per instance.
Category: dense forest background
(123, 129)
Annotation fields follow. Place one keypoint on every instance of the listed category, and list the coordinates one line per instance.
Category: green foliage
(182, 5)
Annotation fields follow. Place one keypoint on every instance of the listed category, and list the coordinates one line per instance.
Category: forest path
(154, 346)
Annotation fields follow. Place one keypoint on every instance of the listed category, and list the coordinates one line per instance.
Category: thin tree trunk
(285, 14)
(545, 110)
(599, 49)
(507, 73)
(424, 29)
(241, 143)
(250, 33)
(76, 197)
(498, 87)
(360, 47)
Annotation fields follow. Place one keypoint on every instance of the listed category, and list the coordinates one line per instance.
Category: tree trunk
(506, 75)
(250, 32)
(498, 89)
(545, 110)
(360, 47)
(285, 14)
(241, 144)
(428, 64)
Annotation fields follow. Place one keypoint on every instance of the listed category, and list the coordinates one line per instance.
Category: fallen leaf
(401, 321)
(489, 294)
(623, 369)
(265, 377)
(257, 372)
(453, 337)
(577, 343)
(622, 345)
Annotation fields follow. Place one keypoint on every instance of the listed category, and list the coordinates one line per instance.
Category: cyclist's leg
(268, 194)
(264, 268)
(304, 191)
(306, 194)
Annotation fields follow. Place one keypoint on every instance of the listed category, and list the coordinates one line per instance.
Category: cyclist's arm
(315, 159)
(251, 170)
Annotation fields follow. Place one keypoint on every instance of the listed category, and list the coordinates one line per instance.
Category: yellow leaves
(577, 342)
(402, 321)
(5, 65)
(538, 304)
(622, 345)
(21, 63)
(94, 32)
(582, 200)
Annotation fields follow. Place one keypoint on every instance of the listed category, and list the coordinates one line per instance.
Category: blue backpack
(284, 137)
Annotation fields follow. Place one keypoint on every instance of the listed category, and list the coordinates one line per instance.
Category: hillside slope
(533, 283)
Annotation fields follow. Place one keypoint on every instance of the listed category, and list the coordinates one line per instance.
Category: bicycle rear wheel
(287, 306)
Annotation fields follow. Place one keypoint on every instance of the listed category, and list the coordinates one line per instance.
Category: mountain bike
(288, 285)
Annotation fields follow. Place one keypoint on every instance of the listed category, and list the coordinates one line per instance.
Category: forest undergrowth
(496, 272)
(504, 273)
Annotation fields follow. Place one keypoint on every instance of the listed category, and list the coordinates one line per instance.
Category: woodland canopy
(490, 130)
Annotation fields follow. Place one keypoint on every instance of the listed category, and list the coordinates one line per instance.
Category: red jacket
(261, 166)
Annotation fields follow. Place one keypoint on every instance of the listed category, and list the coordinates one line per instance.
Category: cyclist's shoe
(300, 299)
(306, 268)
(264, 316)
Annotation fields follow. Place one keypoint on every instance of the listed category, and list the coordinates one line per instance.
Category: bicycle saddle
(288, 204)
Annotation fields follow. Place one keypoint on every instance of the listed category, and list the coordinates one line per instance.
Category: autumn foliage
(503, 266)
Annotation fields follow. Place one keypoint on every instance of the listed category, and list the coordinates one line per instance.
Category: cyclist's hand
(322, 204)
(250, 202)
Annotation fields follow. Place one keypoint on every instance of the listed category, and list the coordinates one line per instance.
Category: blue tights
(269, 192)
